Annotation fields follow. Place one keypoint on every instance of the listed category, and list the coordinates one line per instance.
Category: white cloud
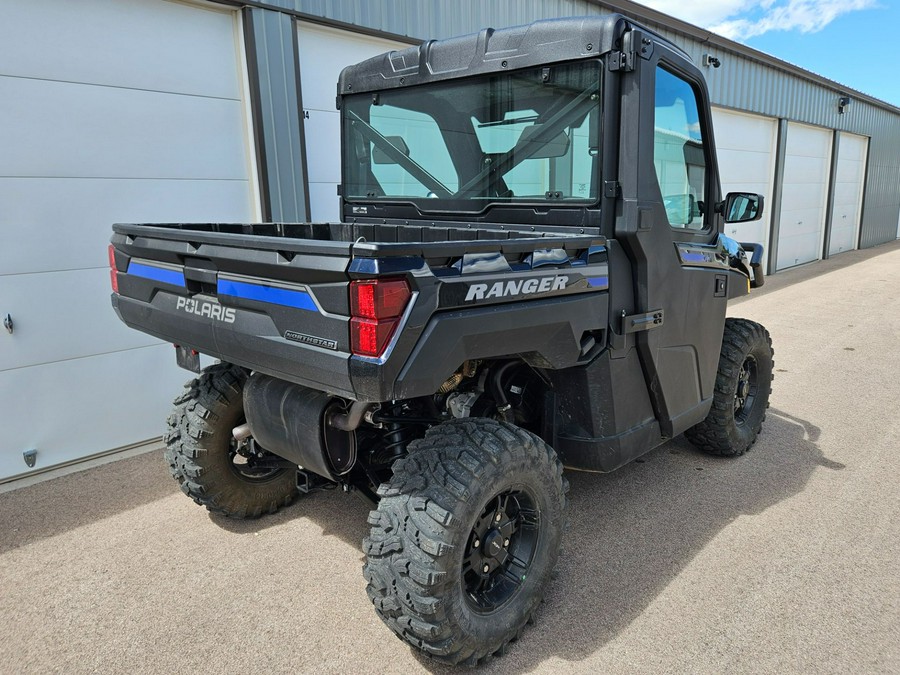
(702, 13)
(743, 19)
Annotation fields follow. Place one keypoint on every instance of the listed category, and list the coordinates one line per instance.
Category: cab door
(669, 229)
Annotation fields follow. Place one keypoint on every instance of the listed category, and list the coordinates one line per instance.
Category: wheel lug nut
(476, 544)
(487, 568)
(498, 517)
(505, 543)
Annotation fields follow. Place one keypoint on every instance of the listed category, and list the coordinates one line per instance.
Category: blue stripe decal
(693, 257)
(598, 282)
(164, 275)
(270, 294)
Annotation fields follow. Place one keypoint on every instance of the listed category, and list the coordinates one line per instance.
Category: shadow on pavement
(630, 532)
(55, 506)
(633, 531)
(338, 514)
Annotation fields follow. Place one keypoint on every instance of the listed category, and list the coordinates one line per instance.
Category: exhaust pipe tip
(351, 419)
(241, 433)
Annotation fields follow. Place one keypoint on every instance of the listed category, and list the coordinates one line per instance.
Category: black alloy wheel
(500, 550)
(746, 390)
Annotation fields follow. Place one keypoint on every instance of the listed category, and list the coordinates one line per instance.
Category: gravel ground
(784, 560)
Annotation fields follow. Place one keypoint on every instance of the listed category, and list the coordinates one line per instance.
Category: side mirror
(741, 207)
(379, 156)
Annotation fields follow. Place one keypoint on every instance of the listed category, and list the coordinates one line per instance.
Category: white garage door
(848, 192)
(746, 151)
(324, 53)
(129, 111)
(807, 163)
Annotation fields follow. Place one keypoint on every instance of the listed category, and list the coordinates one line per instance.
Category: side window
(419, 137)
(678, 154)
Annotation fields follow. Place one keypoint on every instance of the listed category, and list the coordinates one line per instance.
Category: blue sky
(854, 42)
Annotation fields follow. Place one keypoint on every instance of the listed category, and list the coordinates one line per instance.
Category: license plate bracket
(187, 358)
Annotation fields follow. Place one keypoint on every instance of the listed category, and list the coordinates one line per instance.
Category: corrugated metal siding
(741, 83)
(279, 115)
(436, 19)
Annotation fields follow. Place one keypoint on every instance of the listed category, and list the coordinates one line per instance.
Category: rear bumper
(252, 341)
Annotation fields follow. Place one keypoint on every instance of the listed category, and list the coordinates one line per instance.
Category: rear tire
(741, 396)
(465, 538)
(205, 459)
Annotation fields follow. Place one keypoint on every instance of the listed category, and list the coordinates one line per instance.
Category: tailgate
(273, 305)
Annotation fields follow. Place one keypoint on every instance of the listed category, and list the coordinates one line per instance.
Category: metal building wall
(746, 81)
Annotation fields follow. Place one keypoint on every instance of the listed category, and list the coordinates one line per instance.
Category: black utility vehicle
(529, 275)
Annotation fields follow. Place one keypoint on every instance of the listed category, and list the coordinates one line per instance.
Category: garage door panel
(849, 170)
(807, 165)
(59, 129)
(748, 232)
(797, 248)
(846, 195)
(801, 221)
(807, 141)
(110, 110)
(749, 137)
(324, 52)
(62, 315)
(72, 229)
(853, 147)
(805, 171)
(111, 43)
(323, 142)
(804, 196)
(324, 204)
(72, 409)
(745, 147)
(741, 166)
(843, 233)
(848, 191)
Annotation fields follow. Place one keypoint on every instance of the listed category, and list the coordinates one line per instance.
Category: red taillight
(369, 337)
(378, 299)
(113, 276)
(375, 306)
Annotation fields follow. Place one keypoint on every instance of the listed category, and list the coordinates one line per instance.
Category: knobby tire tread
(421, 520)
(197, 428)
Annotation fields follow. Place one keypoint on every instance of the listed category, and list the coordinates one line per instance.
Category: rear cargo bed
(274, 297)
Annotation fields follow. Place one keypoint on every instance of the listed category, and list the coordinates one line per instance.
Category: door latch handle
(8, 324)
(639, 322)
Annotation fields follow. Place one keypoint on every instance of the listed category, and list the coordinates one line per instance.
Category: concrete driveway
(785, 560)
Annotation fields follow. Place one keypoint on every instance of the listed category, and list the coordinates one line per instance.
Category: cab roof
(490, 51)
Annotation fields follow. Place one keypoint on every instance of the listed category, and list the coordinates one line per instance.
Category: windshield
(527, 136)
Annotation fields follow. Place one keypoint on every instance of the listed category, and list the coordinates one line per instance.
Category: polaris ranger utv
(529, 275)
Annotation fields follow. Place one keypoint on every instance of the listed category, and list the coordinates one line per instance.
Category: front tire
(210, 466)
(465, 538)
(741, 396)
